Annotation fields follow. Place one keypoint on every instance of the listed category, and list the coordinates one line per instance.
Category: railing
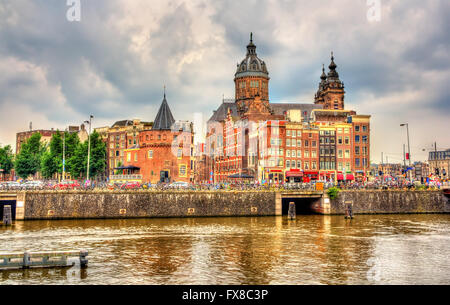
(42, 259)
(125, 177)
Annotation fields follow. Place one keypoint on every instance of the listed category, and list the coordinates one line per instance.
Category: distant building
(440, 163)
(46, 135)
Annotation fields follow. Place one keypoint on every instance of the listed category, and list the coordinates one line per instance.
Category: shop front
(309, 176)
(276, 176)
(294, 176)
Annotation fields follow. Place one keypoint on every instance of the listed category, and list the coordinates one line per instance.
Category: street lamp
(409, 149)
(89, 144)
(64, 155)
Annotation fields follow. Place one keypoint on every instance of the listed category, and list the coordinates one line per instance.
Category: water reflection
(391, 249)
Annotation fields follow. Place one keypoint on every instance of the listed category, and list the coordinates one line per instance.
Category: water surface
(382, 249)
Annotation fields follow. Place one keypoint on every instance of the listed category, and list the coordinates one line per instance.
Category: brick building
(120, 136)
(279, 142)
(163, 153)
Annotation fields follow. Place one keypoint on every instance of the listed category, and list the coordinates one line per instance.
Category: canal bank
(35, 205)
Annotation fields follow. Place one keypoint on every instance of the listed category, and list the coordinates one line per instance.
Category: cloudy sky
(116, 60)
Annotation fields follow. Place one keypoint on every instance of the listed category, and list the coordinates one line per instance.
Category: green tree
(78, 161)
(51, 162)
(28, 161)
(6, 159)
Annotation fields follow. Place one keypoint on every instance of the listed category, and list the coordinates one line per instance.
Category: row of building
(248, 137)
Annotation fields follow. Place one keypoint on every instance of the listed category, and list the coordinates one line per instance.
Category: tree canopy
(28, 161)
(6, 159)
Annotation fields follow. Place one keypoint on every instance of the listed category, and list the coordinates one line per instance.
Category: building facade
(252, 138)
(440, 163)
(120, 136)
(162, 154)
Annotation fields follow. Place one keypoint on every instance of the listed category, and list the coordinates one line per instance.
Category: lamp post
(64, 155)
(409, 148)
(89, 145)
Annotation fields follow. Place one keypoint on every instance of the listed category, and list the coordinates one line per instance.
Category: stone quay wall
(33, 205)
(391, 202)
(142, 204)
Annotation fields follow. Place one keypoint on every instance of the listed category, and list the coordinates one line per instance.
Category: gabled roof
(164, 119)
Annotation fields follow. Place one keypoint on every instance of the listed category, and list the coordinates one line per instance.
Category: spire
(164, 119)
(323, 77)
(251, 48)
(333, 73)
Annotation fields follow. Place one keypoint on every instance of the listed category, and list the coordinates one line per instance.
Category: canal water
(382, 249)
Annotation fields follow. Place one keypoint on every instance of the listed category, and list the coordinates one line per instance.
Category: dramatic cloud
(116, 60)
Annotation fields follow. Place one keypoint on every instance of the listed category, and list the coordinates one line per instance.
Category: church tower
(252, 82)
(331, 92)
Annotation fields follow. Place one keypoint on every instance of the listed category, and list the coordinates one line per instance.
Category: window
(357, 162)
(357, 128)
(339, 130)
(280, 162)
(313, 143)
(340, 140)
(299, 133)
(288, 133)
(299, 143)
(150, 154)
(314, 165)
(306, 143)
(347, 130)
(288, 164)
(306, 153)
(356, 150)
(293, 143)
(288, 142)
(135, 157)
(310, 135)
(129, 142)
(347, 153)
(299, 153)
(117, 153)
(128, 157)
(293, 133)
(341, 166)
(364, 128)
(180, 153)
(340, 154)
(347, 140)
(313, 154)
(356, 139)
(299, 164)
(293, 154)
(364, 150)
(364, 139)
(288, 153)
(364, 162)
(306, 165)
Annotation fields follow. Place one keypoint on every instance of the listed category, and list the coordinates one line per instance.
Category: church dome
(252, 65)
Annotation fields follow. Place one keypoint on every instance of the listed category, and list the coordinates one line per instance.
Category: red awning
(311, 173)
(294, 174)
(340, 177)
(350, 177)
(276, 171)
